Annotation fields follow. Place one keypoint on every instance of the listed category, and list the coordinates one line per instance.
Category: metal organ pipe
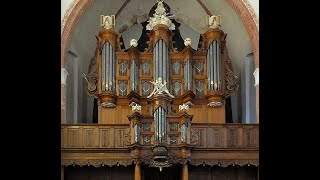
(164, 62)
(113, 69)
(211, 68)
(155, 60)
(103, 87)
(155, 117)
(107, 70)
(159, 125)
(164, 124)
(160, 117)
(208, 69)
(108, 67)
(189, 75)
(136, 77)
(161, 59)
(219, 66)
(160, 69)
(132, 78)
(215, 64)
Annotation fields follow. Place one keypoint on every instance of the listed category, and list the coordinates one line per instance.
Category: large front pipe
(161, 60)
(109, 66)
(219, 67)
(103, 68)
(215, 65)
(113, 69)
(211, 67)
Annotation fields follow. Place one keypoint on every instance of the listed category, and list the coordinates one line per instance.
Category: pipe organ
(161, 91)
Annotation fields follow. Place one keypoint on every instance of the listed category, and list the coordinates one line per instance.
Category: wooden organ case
(166, 92)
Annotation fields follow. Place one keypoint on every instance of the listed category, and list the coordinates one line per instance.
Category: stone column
(64, 75)
(185, 175)
(62, 173)
(137, 172)
(256, 84)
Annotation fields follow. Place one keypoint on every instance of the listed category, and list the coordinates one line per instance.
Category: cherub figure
(159, 88)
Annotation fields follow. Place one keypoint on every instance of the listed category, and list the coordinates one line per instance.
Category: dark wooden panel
(222, 173)
(102, 173)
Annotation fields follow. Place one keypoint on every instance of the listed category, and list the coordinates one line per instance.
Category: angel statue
(159, 88)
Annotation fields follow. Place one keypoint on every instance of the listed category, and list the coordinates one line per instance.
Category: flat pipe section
(103, 69)
(187, 76)
(113, 69)
(208, 68)
(132, 75)
(190, 83)
(160, 117)
(107, 70)
(164, 118)
(161, 59)
(215, 78)
(211, 67)
(164, 60)
(155, 116)
(219, 66)
(136, 77)
(108, 67)
(155, 62)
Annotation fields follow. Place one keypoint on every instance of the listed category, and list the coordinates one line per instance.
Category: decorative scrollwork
(97, 162)
(107, 105)
(215, 104)
(224, 162)
(127, 137)
(232, 83)
(92, 77)
(194, 137)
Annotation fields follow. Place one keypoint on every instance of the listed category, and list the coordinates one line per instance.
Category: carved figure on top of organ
(160, 87)
(107, 22)
(160, 17)
(213, 21)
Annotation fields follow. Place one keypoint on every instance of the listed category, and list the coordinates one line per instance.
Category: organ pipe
(108, 67)
(160, 61)
(160, 117)
(134, 76)
(188, 76)
(214, 67)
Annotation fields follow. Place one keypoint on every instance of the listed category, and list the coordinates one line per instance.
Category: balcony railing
(84, 136)
(203, 136)
(231, 136)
